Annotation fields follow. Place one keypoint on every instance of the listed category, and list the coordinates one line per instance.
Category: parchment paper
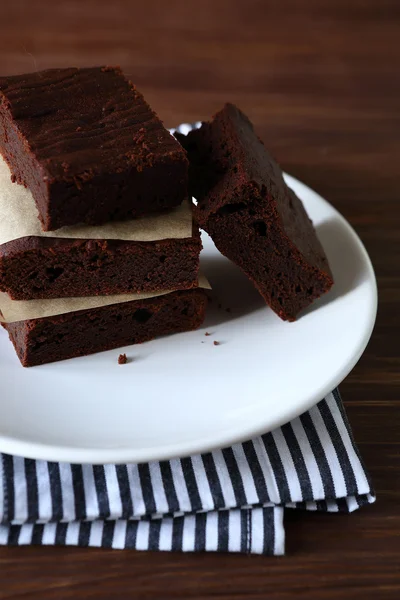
(19, 218)
(21, 310)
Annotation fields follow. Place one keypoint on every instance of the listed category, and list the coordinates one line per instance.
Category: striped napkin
(229, 500)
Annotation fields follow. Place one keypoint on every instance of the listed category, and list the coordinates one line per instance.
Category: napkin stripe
(84, 534)
(319, 455)
(147, 488)
(14, 535)
(179, 485)
(90, 506)
(177, 533)
(172, 498)
(260, 466)
(78, 485)
(108, 534)
(124, 491)
(312, 468)
(61, 533)
(44, 505)
(223, 531)
(191, 483)
(32, 490)
(291, 475)
(338, 445)
(101, 490)
(8, 494)
(277, 467)
(158, 488)
(131, 533)
(242, 479)
(20, 492)
(350, 449)
(202, 481)
(112, 490)
(213, 479)
(154, 534)
(244, 520)
(330, 452)
(37, 534)
(298, 460)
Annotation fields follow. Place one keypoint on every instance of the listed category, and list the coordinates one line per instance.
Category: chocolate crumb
(219, 305)
(216, 343)
(122, 360)
(206, 333)
(228, 310)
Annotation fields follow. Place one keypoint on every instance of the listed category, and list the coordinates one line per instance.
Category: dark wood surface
(320, 79)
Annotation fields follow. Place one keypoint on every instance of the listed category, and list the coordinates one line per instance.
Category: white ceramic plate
(181, 394)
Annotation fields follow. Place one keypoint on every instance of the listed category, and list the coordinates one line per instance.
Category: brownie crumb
(216, 343)
(122, 360)
(228, 310)
(207, 333)
(219, 305)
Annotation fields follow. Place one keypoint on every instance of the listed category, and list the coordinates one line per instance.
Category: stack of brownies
(98, 249)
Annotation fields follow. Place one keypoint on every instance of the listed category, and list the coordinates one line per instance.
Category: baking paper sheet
(21, 310)
(19, 218)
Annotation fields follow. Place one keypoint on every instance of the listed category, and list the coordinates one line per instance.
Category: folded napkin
(229, 500)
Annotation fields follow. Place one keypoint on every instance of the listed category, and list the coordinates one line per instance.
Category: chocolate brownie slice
(40, 341)
(253, 217)
(44, 267)
(88, 146)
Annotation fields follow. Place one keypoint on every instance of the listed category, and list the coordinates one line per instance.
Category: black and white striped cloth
(229, 500)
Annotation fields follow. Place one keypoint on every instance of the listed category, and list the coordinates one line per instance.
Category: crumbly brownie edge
(81, 333)
(25, 169)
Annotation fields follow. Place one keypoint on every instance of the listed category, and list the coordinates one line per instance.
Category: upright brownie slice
(251, 214)
(88, 146)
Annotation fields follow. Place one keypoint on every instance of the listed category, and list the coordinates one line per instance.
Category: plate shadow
(345, 259)
(232, 294)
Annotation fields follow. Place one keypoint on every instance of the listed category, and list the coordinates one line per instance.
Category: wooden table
(320, 79)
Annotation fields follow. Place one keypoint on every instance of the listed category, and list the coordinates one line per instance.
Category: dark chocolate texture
(88, 146)
(253, 217)
(39, 267)
(49, 339)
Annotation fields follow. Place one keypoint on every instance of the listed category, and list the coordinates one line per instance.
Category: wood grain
(320, 79)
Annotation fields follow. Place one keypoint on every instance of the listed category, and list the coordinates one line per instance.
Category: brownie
(253, 217)
(48, 339)
(88, 146)
(42, 267)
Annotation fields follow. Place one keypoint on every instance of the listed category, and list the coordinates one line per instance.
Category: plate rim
(124, 455)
